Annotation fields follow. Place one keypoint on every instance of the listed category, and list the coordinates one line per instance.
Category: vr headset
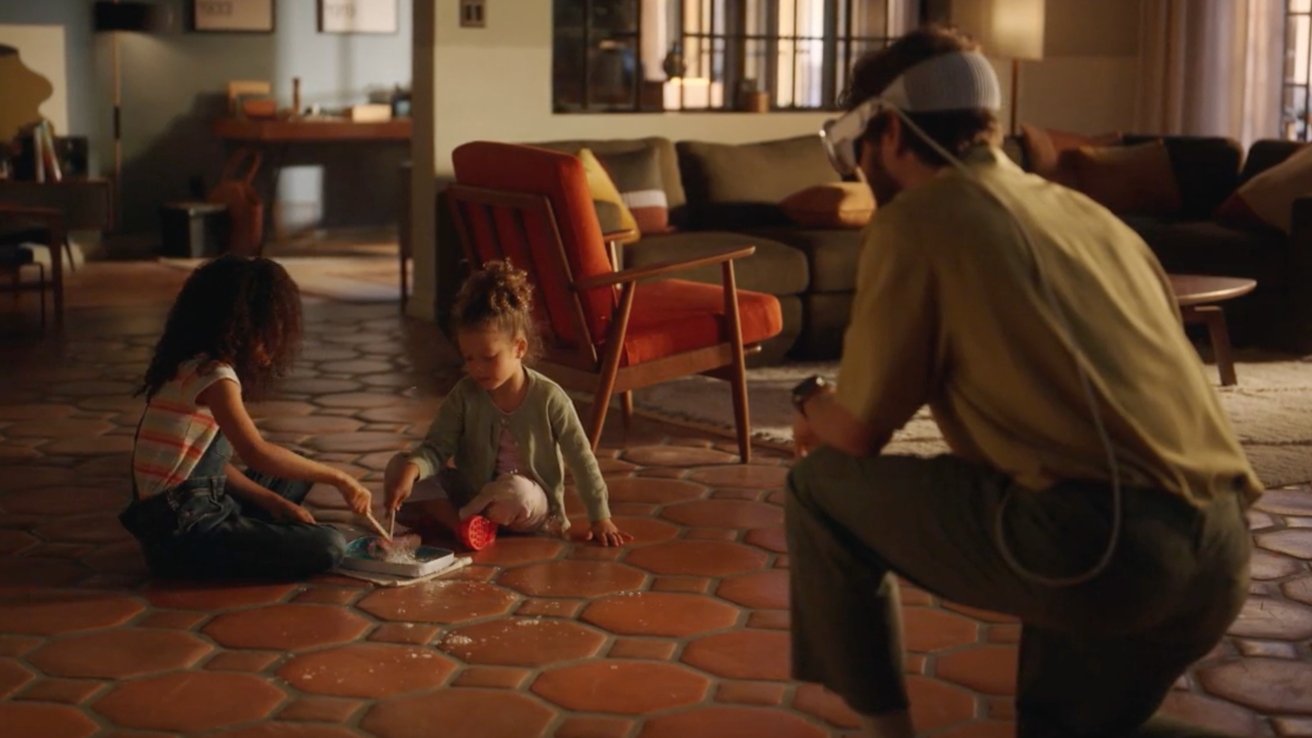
(956, 81)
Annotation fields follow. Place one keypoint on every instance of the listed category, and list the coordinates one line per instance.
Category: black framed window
(643, 55)
(1297, 107)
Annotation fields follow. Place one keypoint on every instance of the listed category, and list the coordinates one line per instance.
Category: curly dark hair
(242, 311)
(955, 130)
(498, 296)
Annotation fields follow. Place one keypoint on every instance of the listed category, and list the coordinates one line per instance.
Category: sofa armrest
(1297, 284)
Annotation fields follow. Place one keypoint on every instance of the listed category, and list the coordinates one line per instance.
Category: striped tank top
(175, 431)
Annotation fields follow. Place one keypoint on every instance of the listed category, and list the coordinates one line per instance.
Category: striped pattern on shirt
(175, 431)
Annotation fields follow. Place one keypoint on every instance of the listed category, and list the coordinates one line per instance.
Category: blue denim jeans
(196, 530)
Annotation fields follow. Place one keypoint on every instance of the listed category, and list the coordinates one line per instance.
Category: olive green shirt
(545, 427)
(949, 311)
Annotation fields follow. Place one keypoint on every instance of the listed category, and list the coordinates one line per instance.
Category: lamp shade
(1008, 29)
(114, 16)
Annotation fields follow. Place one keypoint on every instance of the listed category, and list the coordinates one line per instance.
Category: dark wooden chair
(20, 225)
(604, 330)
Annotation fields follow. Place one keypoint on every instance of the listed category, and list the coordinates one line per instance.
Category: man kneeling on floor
(1095, 490)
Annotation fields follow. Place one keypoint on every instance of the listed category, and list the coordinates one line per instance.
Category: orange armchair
(602, 331)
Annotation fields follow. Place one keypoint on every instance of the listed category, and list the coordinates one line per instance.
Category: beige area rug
(348, 279)
(1270, 408)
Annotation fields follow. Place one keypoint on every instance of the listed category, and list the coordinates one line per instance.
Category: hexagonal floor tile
(634, 688)
(197, 701)
(1266, 565)
(47, 721)
(697, 558)
(459, 713)
(286, 627)
(1286, 501)
(1270, 686)
(742, 654)
(660, 614)
(677, 456)
(358, 442)
(936, 704)
(770, 539)
(73, 500)
(206, 596)
(725, 514)
(86, 529)
(1209, 713)
(120, 653)
(572, 579)
(448, 601)
(518, 550)
(13, 541)
(730, 722)
(755, 476)
(1296, 542)
(311, 425)
(652, 491)
(367, 670)
(52, 612)
(522, 642)
(289, 730)
(12, 676)
(767, 590)
(1265, 617)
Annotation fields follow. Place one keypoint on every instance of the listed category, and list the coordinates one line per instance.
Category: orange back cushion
(561, 179)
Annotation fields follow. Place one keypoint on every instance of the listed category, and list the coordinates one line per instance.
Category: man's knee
(327, 548)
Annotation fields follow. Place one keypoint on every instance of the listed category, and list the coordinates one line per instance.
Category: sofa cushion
(674, 315)
(1206, 170)
(775, 268)
(637, 175)
(1045, 150)
(1268, 198)
(671, 182)
(831, 205)
(831, 255)
(735, 186)
(605, 193)
(1128, 179)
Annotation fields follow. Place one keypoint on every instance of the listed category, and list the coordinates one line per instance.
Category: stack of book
(45, 159)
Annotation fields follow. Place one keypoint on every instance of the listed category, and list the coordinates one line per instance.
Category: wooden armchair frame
(581, 365)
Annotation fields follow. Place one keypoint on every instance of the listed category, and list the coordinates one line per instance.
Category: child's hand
(399, 481)
(356, 496)
(605, 533)
(289, 512)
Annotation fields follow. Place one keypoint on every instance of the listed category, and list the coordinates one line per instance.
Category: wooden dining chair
(604, 330)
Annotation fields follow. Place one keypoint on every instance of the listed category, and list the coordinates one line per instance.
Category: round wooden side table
(1197, 296)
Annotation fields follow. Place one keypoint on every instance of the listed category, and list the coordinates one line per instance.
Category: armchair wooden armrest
(664, 267)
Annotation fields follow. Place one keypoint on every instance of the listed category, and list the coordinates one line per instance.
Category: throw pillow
(1047, 150)
(1128, 180)
(604, 190)
(833, 205)
(637, 176)
(1269, 197)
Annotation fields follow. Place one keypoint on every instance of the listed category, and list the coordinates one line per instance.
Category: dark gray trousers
(1096, 659)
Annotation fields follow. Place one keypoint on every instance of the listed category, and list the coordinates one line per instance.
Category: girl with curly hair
(235, 326)
(501, 435)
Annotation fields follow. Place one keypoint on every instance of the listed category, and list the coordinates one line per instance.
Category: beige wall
(495, 83)
(1087, 79)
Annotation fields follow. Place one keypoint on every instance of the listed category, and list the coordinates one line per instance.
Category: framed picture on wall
(232, 16)
(357, 16)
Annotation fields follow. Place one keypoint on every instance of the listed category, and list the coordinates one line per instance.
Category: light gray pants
(1096, 659)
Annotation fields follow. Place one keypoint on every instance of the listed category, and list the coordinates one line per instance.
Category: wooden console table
(274, 136)
(308, 130)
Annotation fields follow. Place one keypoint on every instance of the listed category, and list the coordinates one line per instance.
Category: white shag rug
(1270, 408)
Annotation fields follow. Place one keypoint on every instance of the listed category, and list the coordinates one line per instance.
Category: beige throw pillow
(832, 205)
(1270, 195)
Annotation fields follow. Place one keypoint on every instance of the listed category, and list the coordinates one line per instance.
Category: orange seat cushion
(674, 316)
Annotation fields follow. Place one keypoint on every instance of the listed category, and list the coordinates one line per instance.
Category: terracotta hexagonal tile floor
(682, 634)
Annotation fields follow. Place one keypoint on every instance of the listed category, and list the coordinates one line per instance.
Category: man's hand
(804, 437)
(399, 481)
(605, 533)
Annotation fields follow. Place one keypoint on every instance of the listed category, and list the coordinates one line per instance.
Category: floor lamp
(113, 18)
(1007, 29)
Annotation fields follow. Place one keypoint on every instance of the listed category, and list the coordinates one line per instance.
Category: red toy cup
(477, 532)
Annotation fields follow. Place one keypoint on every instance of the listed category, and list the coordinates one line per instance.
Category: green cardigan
(546, 429)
